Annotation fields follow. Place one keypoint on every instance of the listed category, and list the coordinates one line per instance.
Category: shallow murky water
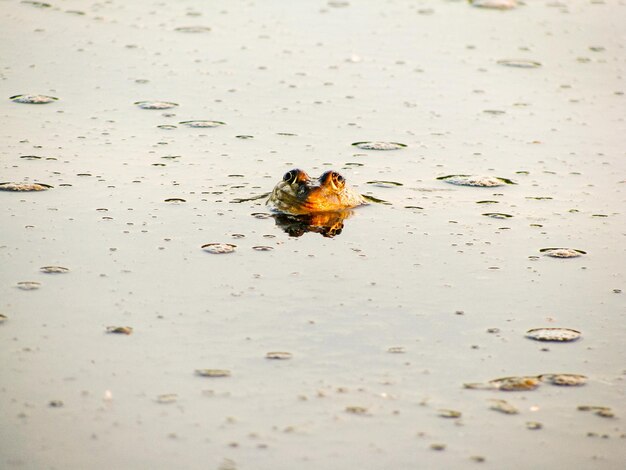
(194, 328)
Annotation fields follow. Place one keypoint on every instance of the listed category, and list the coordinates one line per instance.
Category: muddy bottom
(154, 313)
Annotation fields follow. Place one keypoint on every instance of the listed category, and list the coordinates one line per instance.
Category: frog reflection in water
(313, 205)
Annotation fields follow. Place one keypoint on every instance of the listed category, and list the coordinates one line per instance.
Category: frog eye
(338, 180)
(290, 176)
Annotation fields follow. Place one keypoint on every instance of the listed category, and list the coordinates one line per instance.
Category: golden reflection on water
(327, 224)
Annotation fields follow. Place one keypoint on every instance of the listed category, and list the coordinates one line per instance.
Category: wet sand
(428, 272)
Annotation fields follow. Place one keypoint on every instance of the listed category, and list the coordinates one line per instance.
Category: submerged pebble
(193, 29)
(167, 398)
(54, 269)
(29, 285)
(262, 248)
(494, 4)
(553, 334)
(508, 384)
(33, 99)
(212, 372)
(36, 4)
(479, 181)
(497, 215)
(119, 330)
(24, 187)
(280, 355)
(3, 318)
(155, 104)
(219, 248)
(503, 407)
(356, 410)
(520, 63)
(602, 411)
(202, 124)
(567, 380)
(444, 413)
(384, 184)
(562, 252)
(379, 145)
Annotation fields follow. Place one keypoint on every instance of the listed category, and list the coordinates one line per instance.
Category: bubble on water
(54, 270)
(520, 63)
(202, 124)
(497, 215)
(219, 248)
(29, 285)
(487, 202)
(24, 187)
(155, 104)
(119, 330)
(379, 145)
(30, 157)
(494, 112)
(444, 413)
(193, 29)
(3, 318)
(567, 380)
(244, 137)
(503, 407)
(33, 99)
(213, 372)
(562, 252)
(167, 127)
(175, 200)
(384, 184)
(261, 215)
(262, 248)
(396, 350)
(553, 334)
(494, 4)
(279, 355)
(478, 181)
